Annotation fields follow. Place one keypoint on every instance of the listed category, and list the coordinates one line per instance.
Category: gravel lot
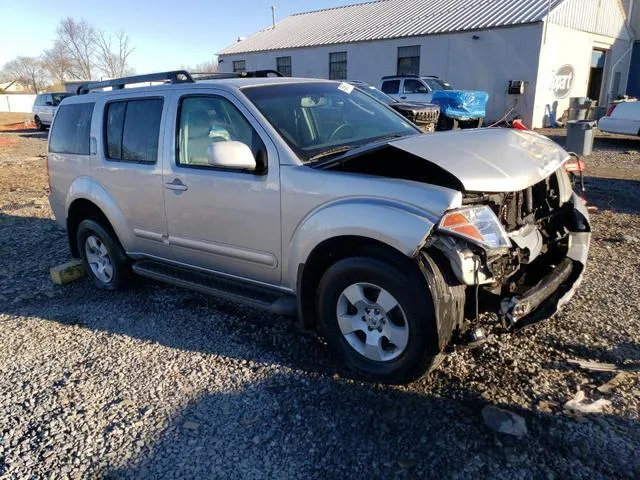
(159, 382)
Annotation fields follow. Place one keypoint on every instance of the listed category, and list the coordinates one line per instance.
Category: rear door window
(391, 86)
(132, 130)
(71, 129)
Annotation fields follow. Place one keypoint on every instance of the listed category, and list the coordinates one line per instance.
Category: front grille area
(516, 209)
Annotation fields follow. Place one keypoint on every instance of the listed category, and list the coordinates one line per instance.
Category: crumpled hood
(489, 159)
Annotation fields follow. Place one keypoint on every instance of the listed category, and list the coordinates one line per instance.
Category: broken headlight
(476, 224)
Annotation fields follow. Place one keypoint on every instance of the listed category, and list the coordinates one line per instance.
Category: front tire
(468, 124)
(104, 259)
(379, 319)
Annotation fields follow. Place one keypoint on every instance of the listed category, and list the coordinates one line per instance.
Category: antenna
(273, 15)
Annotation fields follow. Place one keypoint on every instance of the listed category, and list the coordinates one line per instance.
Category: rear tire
(378, 319)
(39, 125)
(105, 262)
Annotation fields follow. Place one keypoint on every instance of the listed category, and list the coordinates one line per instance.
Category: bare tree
(113, 62)
(205, 67)
(26, 70)
(77, 39)
(57, 63)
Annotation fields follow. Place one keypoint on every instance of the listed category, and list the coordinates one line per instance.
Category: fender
(393, 223)
(87, 188)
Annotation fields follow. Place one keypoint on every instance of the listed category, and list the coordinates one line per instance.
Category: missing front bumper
(540, 301)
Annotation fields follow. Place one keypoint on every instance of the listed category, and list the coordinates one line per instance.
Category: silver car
(309, 198)
(44, 108)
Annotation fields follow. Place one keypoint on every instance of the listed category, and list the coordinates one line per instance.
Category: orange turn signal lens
(478, 224)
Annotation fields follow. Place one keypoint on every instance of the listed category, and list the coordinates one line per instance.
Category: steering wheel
(339, 129)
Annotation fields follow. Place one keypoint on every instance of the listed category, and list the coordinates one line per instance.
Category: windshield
(377, 94)
(57, 98)
(318, 119)
(437, 84)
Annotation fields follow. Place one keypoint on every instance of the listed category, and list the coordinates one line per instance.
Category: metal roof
(385, 19)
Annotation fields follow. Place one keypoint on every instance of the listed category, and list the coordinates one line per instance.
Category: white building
(560, 48)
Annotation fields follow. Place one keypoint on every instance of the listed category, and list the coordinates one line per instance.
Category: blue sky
(166, 33)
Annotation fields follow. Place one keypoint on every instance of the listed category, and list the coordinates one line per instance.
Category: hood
(414, 105)
(489, 159)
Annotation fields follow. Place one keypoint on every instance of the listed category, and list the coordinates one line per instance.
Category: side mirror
(48, 103)
(422, 89)
(235, 155)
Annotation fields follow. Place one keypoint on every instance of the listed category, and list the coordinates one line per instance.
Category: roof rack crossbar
(248, 74)
(176, 76)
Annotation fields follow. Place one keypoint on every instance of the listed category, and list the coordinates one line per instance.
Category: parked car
(462, 108)
(44, 108)
(623, 117)
(310, 198)
(424, 115)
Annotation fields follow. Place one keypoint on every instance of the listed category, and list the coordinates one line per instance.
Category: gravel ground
(158, 382)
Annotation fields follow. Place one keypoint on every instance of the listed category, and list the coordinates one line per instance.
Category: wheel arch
(331, 251)
(84, 209)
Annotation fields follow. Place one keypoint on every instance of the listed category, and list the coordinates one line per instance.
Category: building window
(283, 65)
(409, 60)
(338, 66)
(239, 66)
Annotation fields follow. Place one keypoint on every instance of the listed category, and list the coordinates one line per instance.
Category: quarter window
(239, 66)
(283, 65)
(338, 66)
(391, 86)
(132, 129)
(71, 129)
(409, 60)
(204, 120)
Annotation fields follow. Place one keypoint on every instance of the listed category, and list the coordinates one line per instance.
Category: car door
(226, 220)
(47, 110)
(128, 166)
(414, 90)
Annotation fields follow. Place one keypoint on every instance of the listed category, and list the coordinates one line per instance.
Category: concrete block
(67, 272)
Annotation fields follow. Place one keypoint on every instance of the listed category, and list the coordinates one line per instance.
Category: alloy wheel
(98, 259)
(372, 322)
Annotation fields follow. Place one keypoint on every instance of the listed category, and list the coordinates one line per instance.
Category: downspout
(627, 51)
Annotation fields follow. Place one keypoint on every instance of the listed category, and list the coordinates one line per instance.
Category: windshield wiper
(331, 151)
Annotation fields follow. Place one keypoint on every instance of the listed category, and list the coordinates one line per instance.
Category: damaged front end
(520, 255)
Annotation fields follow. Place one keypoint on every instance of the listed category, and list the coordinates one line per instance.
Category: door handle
(176, 185)
(403, 98)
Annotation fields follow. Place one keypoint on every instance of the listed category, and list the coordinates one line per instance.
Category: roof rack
(409, 76)
(250, 74)
(176, 76)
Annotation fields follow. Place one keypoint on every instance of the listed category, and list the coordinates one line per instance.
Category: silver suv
(309, 198)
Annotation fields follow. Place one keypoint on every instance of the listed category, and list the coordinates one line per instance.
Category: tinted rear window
(132, 129)
(391, 86)
(71, 129)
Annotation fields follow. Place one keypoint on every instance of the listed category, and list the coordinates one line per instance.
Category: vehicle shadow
(307, 422)
(616, 195)
(286, 427)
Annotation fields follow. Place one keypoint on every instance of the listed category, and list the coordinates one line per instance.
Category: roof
(386, 19)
